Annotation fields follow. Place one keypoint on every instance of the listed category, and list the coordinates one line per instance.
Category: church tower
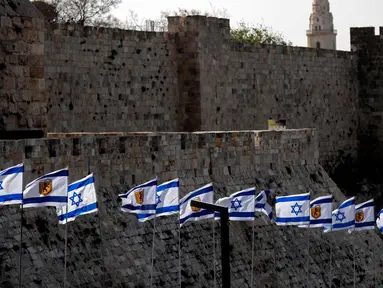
(321, 33)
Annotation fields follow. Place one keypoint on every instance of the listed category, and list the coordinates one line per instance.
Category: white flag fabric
(293, 209)
(320, 212)
(188, 213)
(343, 217)
(379, 221)
(365, 216)
(167, 202)
(11, 185)
(48, 190)
(261, 204)
(224, 202)
(82, 200)
(240, 204)
(140, 199)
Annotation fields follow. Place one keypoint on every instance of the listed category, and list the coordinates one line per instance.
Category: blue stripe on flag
(79, 211)
(292, 198)
(61, 173)
(141, 207)
(368, 204)
(248, 193)
(321, 201)
(13, 170)
(167, 209)
(241, 214)
(151, 183)
(321, 221)
(58, 199)
(197, 214)
(365, 224)
(198, 192)
(343, 225)
(259, 197)
(260, 205)
(292, 220)
(80, 184)
(10, 197)
(173, 184)
(346, 204)
(144, 215)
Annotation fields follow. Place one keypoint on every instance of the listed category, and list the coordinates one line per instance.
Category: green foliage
(258, 34)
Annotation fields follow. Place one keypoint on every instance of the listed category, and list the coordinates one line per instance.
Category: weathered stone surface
(285, 162)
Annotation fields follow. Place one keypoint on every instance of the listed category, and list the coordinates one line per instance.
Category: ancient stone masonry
(369, 48)
(191, 78)
(22, 85)
(285, 162)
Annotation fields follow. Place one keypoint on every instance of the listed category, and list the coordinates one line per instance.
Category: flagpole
(330, 278)
(215, 272)
(308, 258)
(66, 241)
(275, 257)
(151, 270)
(179, 250)
(99, 226)
(252, 256)
(353, 244)
(21, 244)
(21, 233)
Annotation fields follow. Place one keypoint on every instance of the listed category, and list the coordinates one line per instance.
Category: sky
(291, 18)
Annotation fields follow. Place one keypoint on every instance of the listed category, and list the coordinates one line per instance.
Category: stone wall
(285, 162)
(102, 79)
(22, 103)
(244, 85)
(369, 48)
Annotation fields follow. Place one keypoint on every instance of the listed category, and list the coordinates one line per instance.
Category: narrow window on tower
(318, 45)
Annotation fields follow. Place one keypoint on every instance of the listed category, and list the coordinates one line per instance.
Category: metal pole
(330, 278)
(214, 256)
(21, 243)
(179, 252)
(66, 242)
(151, 270)
(225, 241)
(252, 257)
(308, 258)
(354, 265)
(101, 246)
(225, 246)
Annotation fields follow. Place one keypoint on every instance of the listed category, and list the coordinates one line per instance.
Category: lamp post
(225, 252)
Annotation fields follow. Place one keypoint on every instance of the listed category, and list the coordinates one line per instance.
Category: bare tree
(86, 12)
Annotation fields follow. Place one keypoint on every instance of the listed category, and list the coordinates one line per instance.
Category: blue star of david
(1, 185)
(340, 216)
(73, 197)
(158, 199)
(236, 204)
(296, 209)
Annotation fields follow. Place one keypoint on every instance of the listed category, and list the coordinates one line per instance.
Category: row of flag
(150, 200)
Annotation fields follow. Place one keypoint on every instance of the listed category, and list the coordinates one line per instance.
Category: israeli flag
(82, 200)
(240, 204)
(343, 217)
(365, 216)
(48, 190)
(379, 221)
(189, 213)
(261, 204)
(11, 185)
(320, 212)
(140, 199)
(166, 201)
(224, 202)
(293, 209)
